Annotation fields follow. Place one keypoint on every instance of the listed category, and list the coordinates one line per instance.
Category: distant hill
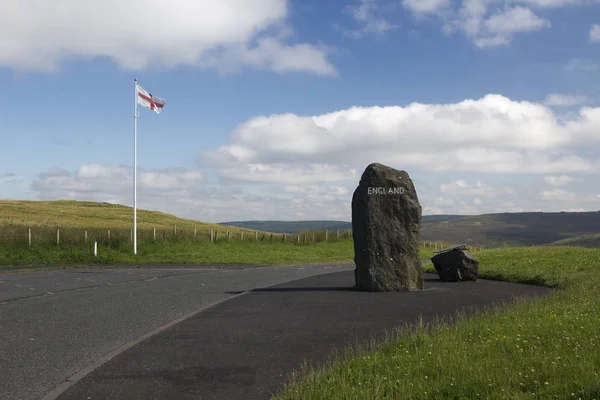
(291, 226)
(89, 214)
(300, 226)
(489, 230)
(591, 240)
(512, 229)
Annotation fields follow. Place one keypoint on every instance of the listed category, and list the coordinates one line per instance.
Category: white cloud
(10, 178)
(490, 134)
(139, 34)
(99, 180)
(462, 187)
(580, 64)
(565, 100)
(489, 23)
(500, 28)
(555, 3)
(307, 167)
(366, 13)
(285, 173)
(595, 33)
(185, 194)
(558, 195)
(426, 6)
(561, 180)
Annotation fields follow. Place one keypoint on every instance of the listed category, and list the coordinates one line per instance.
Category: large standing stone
(386, 220)
(456, 266)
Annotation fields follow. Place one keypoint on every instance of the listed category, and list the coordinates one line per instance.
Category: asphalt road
(55, 323)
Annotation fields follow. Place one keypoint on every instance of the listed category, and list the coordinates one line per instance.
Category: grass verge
(546, 348)
(233, 252)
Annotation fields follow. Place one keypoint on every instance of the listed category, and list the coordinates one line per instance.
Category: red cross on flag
(149, 101)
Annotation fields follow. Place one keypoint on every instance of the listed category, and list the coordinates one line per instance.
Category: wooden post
(326, 234)
(284, 236)
(175, 230)
(85, 235)
(338, 234)
(194, 230)
(304, 239)
(131, 235)
(256, 235)
(242, 236)
(154, 233)
(227, 234)
(29, 236)
(313, 237)
(109, 234)
(58, 236)
(298, 238)
(271, 237)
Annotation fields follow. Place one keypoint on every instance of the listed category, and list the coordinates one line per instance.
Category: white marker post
(95, 249)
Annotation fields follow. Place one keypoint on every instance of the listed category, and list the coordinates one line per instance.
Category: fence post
(242, 236)
(95, 249)
(131, 235)
(313, 237)
(298, 238)
(154, 234)
(227, 234)
(284, 236)
(326, 234)
(338, 234)
(256, 235)
(304, 239)
(85, 237)
(109, 234)
(29, 236)
(58, 236)
(175, 229)
(271, 237)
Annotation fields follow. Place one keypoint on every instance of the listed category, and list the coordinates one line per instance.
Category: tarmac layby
(55, 324)
(138, 333)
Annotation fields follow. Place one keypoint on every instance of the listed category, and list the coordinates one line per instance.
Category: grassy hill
(591, 240)
(291, 226)
(512, 229)
(87, 214)
(488, 230)
(303, 226)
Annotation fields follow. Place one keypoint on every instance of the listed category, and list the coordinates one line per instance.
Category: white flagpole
(135, 116)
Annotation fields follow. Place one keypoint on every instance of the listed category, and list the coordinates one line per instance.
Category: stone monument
(386, 220)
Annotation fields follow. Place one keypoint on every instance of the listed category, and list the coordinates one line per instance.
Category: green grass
(93, 215)
(547, 348)
(590, 240)
(186, 252)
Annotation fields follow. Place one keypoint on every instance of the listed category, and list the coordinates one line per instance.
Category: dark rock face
(456, 266)
(386, 221)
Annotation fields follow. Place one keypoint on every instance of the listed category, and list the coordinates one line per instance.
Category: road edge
(79, 375)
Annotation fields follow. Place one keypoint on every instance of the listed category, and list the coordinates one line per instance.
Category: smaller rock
(456, 266)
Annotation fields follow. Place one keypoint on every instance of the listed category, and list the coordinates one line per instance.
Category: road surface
(55, 323)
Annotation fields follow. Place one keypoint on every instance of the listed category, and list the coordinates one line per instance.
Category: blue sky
(274, 108)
